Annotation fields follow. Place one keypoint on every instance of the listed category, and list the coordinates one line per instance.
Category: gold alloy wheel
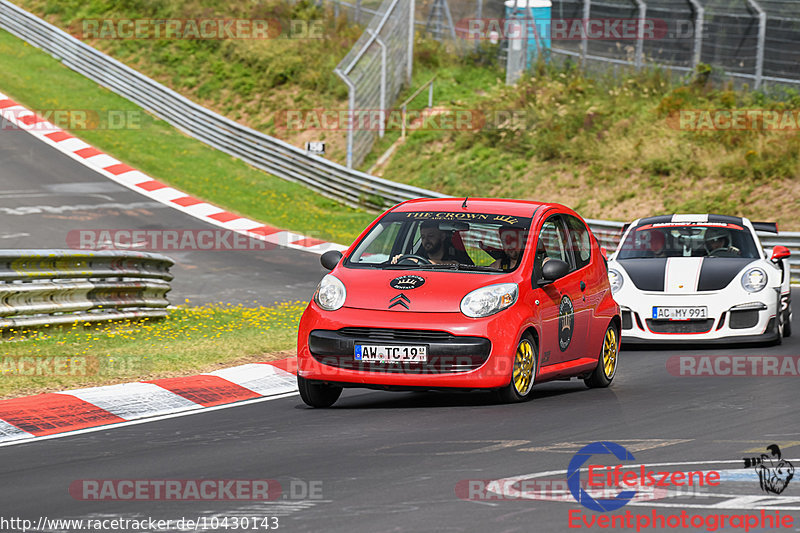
(610, 353)
(523, 368)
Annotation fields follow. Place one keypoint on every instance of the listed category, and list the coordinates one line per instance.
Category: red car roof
(504, 206)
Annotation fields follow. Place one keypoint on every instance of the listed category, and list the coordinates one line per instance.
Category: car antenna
(464, 205)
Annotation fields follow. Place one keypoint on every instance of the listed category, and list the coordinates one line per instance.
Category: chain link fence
(754, 41)
(375, 70)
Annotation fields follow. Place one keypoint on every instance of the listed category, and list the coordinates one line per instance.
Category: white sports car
(700, 278)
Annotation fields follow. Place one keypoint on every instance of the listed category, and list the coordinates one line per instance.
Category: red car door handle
(583, 286)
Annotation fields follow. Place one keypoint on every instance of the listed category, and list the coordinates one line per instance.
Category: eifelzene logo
(406, 283)
(566, 321)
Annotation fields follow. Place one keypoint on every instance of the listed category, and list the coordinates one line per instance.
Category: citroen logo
(400, 299)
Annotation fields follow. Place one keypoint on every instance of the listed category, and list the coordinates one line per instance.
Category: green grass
(189, 341)
(39, 82)
(605, 145)
(609, 147)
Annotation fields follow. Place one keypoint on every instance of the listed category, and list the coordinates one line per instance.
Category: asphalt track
(44, 195)
(377, 461)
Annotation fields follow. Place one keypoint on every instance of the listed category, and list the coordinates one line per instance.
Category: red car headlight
(489, 300)
(330, 293)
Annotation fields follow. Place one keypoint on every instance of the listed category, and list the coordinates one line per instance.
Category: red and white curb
(140, 182)
(76, 411)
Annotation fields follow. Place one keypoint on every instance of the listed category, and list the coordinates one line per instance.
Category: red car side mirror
(780, 252)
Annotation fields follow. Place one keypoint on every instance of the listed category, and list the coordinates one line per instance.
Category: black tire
(787, 321)
(607, 361)
(526, 363)
(318, 394)
(779, 328)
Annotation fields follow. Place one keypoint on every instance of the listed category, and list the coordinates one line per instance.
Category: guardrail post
(699, 15)
(640, 34)
(587, 10)
(382, 125)
(762, 36)
(351, 90)
(479, 16)
(411, 31)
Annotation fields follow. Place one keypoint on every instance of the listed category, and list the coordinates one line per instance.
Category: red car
(461, 294)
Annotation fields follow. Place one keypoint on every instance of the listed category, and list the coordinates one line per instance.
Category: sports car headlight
(489, 300)
(754, 279)
(330, 293)
(615, 279)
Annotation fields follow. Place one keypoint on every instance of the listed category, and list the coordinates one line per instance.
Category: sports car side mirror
(780, 252)
(330, 259)
(552, 270)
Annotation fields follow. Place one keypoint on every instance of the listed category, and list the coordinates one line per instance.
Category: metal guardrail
(609, 233)
(39, 287)
(351, 187)
(348, 186)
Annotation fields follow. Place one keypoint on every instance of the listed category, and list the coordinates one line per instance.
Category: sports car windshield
(688, 240)
(482, 242)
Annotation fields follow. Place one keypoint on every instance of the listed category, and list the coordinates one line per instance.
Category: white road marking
(134, 400)
(504, 488)
(147, 420)
(59, 209)
(634, 445)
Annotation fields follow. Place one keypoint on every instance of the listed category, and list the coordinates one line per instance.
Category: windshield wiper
(421, 266)
(479, 268)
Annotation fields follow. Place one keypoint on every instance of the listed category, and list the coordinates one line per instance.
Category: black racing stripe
(660, 219)
(726, 219)
(646, 274)
(717, 272)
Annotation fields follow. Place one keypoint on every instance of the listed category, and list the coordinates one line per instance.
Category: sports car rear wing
(768, 227)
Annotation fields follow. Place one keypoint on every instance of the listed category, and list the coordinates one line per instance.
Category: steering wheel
(719, 251)
(419, 258)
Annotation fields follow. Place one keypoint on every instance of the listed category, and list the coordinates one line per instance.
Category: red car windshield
(466, 241)
(688, 240)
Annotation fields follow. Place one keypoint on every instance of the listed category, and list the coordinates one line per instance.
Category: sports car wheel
(787, 321)
(779, 327)
(523, 373)
(607, 361)
(318, 394)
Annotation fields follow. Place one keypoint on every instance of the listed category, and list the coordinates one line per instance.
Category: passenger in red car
(512, 240)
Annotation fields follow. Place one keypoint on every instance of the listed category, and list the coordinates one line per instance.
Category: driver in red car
(436, 246)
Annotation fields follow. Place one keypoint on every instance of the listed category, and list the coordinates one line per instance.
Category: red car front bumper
(497, 336)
